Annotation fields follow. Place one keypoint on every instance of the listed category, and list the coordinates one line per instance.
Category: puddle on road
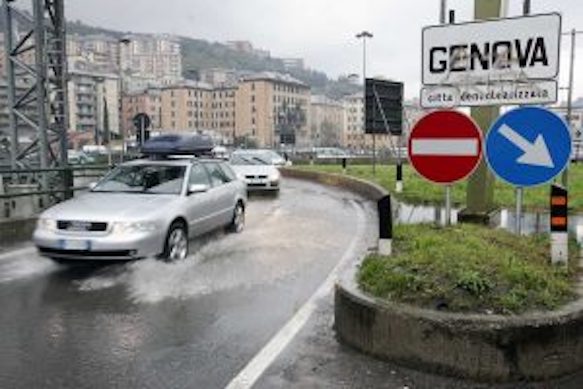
(531, 222)
(27, 263)
(226, 261)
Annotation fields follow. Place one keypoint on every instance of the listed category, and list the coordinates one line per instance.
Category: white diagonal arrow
(535, 154)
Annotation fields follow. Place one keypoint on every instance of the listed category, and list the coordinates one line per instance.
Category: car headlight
(44, 223)
(274, 176)
(240, 177)
(133, 227)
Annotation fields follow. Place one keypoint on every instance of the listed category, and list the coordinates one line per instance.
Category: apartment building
(94, 103)
(187, 107)
(223, 112)
(153, 57)
(272, 109)
(326, 122)
(293, 63)
(149, 102)
(95, 53)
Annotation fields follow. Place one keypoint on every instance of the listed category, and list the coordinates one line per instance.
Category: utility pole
(573, 33)
(480, 189)
(364, 35)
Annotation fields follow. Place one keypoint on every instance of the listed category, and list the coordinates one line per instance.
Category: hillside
(198, 54)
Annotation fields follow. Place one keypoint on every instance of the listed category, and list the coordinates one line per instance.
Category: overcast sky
(320, 31)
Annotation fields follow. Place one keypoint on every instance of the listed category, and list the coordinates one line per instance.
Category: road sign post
(486, 63)
(445, 147)
(559, 225)
(519, 200)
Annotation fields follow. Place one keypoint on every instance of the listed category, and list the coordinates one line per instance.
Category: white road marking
(455, 147)
(262, 360)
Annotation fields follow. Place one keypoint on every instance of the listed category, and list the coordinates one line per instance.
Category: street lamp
(364, 35)
(122, 42)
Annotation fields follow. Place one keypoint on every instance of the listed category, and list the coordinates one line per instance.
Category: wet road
(192, 324)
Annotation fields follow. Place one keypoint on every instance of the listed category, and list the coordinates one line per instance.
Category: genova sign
(495, 93)
(494, 50)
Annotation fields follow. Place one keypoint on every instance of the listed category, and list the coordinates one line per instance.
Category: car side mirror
(92, 185)
(197, 188)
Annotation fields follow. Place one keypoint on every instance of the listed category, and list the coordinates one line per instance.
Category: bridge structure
(36, 78)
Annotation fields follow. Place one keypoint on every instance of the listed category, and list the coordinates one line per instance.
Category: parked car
(256, 169)
(144, 208)
(75, 157)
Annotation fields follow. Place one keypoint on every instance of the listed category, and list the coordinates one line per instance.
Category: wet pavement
(202, 322)
(193, 324)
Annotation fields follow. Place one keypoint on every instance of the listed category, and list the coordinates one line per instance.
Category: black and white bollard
(399, 181)
(559, 226)
(385, 226)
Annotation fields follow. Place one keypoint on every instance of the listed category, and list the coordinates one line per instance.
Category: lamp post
(122, 89)
(364, 35)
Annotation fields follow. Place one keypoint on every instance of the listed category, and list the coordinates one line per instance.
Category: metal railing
(25, 192)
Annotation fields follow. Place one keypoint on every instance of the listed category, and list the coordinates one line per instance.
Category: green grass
(469, 268)
(418, 191)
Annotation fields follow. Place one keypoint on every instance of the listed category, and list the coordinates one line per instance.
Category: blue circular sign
(528, 146)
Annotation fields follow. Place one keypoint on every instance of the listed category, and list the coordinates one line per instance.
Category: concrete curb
(534, 346)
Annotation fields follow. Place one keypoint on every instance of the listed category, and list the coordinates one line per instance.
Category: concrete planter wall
(534, 346)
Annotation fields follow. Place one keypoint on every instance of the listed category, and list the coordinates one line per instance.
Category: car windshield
(150, 179)
(250, 159)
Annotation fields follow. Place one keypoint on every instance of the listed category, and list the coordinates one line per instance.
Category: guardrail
(25, 192)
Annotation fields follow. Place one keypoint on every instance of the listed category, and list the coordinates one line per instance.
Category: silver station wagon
(149, 207)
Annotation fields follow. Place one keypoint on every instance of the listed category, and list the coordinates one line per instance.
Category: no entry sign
(445, 146)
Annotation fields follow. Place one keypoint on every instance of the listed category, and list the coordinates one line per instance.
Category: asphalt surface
(203, 322)
(193, 324)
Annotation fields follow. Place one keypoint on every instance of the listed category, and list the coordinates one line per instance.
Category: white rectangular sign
(503, 49)
(497, 93)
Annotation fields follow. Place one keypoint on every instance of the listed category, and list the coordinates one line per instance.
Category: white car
(257, 170)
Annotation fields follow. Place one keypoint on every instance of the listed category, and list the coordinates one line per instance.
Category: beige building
(186, 107)
(223, 112)
(272, 109)
(148, 102)
(326, 122)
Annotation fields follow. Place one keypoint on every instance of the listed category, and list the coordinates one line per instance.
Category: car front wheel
(238, 222)
(176, 247)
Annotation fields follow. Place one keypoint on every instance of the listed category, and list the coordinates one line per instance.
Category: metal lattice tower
(37, 84)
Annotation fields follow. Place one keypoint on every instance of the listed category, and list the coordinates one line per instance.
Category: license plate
(75, 244)
(257, 181)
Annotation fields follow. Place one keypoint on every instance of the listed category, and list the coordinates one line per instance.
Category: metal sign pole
(142, 131)
(519, 198)
(447, 205)
(374, 154)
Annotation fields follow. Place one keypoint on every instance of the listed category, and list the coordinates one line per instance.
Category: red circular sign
(445, 146)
